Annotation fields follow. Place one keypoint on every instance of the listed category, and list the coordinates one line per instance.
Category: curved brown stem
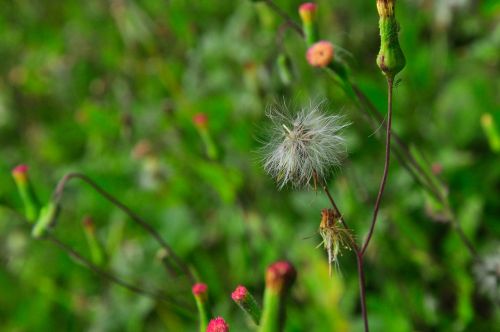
(138, 220)
(359, 261)
(362, 289)
(106, 275)
(386, 165)
(164, 298)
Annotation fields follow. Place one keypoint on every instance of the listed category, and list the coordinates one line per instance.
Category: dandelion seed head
(303, 144)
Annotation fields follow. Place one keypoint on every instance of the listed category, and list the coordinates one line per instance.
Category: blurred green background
(109, 88)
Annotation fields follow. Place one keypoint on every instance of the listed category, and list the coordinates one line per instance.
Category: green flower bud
(96, 250)
(390, 59)
(307, 12)
(26, 191)
(47, 218)
(284, 69)
(491, 131)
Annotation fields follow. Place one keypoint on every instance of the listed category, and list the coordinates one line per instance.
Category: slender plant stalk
(400, 148)
(359, 261)
(362, 289)
(390, 85)
(142, 223)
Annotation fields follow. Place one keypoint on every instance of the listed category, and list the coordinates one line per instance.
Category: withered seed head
(334, 235)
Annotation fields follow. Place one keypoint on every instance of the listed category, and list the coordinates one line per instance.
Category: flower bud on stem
(491, 131)
(247, 303)
(96, 249)
(307, 12)
(279, 278)
(47, 218)
(200, 293)
(25, 189)
(284, 69)
(217, 324)
(390, 59)
(200, 121)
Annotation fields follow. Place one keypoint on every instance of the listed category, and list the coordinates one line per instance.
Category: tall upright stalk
(383, 181)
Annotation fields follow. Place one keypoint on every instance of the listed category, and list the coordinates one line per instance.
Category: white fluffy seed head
(302, 144)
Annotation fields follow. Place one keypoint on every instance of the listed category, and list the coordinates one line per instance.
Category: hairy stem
(138, 220)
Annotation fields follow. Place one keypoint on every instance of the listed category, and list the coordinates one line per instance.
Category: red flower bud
(280, 276)
(239, 294)
(200, 120)
(199, 289)
(217, 325)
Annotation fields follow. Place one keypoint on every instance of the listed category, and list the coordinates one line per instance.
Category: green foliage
(109, 88)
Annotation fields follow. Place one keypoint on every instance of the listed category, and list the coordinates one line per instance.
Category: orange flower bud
(320, 54)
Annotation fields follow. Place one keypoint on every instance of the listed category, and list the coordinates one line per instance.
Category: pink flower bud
(320, 54)
(200, 120)
(244, 299)
(217, 325)
(307, 12)
(239, 294)
(280, 276)
(20, 172)
(199, 289)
